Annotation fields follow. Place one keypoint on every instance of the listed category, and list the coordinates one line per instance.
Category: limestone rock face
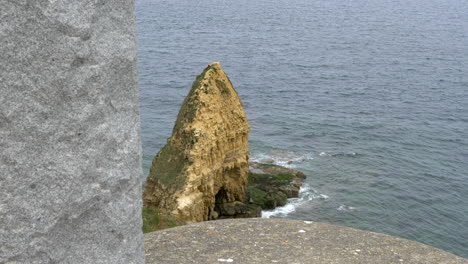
(205, 162)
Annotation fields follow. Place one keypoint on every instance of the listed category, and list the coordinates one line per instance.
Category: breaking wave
(306, 194)
(283, 158)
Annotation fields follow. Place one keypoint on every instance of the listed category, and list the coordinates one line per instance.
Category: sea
(369, 98)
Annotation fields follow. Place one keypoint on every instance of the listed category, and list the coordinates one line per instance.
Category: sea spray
(306, 194)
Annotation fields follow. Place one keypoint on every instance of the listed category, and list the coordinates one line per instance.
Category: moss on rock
(191, 103)
(170, 162)
(154, 220)
(274, 186)
(223, 87)
(271, 180)
(263, 190)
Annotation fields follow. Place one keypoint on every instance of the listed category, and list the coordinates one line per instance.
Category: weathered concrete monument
(285, 241)
(70, 152)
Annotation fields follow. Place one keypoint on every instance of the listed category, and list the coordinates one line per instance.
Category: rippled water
(369, 98)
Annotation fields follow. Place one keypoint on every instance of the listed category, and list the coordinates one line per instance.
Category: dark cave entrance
(220, 198)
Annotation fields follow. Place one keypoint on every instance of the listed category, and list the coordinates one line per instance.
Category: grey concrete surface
(70, 152)
(284, 241)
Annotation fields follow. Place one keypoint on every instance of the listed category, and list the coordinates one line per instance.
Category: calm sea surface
(368, 98)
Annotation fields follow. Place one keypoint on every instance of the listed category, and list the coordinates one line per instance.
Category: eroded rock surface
(202, 171)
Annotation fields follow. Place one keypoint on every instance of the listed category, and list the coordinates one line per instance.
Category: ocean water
(368, 98)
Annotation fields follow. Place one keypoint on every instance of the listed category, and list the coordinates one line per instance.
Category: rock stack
(201, 173)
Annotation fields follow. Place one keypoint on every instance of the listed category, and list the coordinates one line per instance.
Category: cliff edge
(205, 164)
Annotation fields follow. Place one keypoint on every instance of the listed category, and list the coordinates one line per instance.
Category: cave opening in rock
(220, 198)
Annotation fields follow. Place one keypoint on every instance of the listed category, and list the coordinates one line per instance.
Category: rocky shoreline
(269, 186)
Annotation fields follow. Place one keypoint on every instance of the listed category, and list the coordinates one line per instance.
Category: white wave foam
(346, 208)
(323, 196)
(282, 210)
(339, 154)
(306, 194)
(345, 154)
(282, 158)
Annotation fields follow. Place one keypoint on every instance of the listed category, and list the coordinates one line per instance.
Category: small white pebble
(358, 250)
(308, 222)
(401, 260)
(301, 231)
(225, 260)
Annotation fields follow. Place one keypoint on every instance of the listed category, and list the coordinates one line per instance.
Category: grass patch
(154, 220)
(167, 166)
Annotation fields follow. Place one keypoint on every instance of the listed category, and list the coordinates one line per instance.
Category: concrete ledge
(284, 241)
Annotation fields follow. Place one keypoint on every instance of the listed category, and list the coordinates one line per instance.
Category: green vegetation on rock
(265, 190)
(170, 161)
(271, 180)
(274, 185)
(154, 220)
(191, 103)
(223, 87)
(276, 169)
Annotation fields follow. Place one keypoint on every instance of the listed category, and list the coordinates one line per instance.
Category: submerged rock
(201, 173)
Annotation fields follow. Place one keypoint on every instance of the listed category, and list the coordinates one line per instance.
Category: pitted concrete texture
(70, 152)
(284, 241)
